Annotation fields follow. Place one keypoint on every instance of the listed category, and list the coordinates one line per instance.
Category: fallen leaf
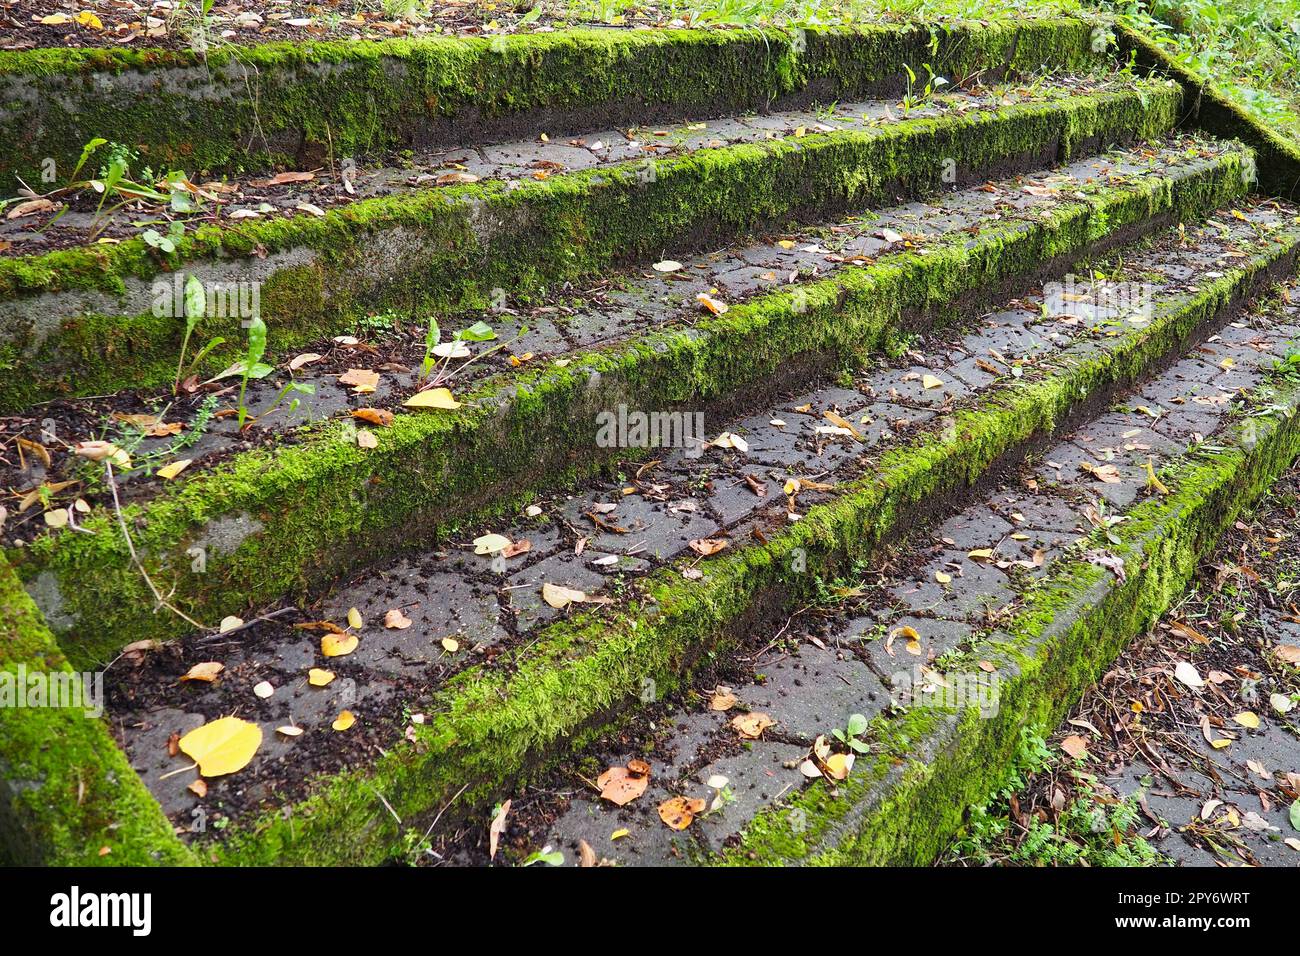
(338, 645)
(708, 546)
(678, 812)
(450, 645)
(207, 672)
(199, 788)
(30, 208)
(931, 381)
(586, 855)
(366, 439)
(667, 265)
(168, 472)
(491, 543)
(729, 440)
(1075, 746)
(396, 620)
(1186, 673)
(752, 725)
(354, 619)
(621, 785)
(710, 304)
(264, 689)
(223, 746)
(433, 398)
(306, 358)
(375, 416)
(722, 700)
(103, 450)
(362, 380)
(496, 828)
(560, 597)
(1247, 719)
(319, 677)
(229, 623)
(344, 720)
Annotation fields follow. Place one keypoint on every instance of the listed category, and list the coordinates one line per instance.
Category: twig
(135, 559)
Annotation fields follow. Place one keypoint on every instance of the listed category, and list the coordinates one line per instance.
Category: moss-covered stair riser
(275, 523)
(238, 107)
(487, 727)
(66, 791)
(62, 314)
(902, 808)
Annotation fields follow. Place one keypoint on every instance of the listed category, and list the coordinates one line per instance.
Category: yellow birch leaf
(344, 720)
(432, 398)
(169, 472)
(222, 746)
(338, 645)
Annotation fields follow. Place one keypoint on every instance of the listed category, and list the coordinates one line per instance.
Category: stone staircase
(835, 398)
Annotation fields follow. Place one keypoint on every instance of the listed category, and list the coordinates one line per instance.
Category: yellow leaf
(786, 243)
(1247, 719)
(338, 645)
(1220, 743)
(344, 720)
(89, 20)
(432, 398)
(354, 619)
(229, 623)
(396, 620)
(980, 554)
(943, 578)
(450, 645)
(175, 468)
(931, 381)
(620, 833)
(710, 304)
(319, 677)
(222, 746)
(56, 20)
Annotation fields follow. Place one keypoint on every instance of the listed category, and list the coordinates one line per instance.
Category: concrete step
(988, 621)
(294, 502)
(85, 318)
(460, 721)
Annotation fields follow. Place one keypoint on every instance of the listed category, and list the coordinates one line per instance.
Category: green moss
(66, 791)
(574, 225)
(239, 107)
(903, 805)
(324, 505)
(487, 728)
